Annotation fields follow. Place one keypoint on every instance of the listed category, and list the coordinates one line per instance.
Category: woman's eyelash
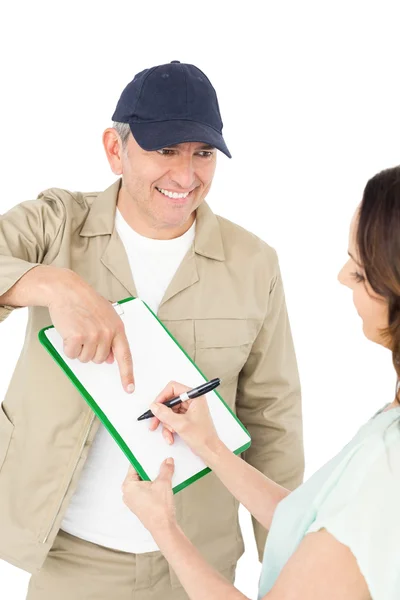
(358, 277)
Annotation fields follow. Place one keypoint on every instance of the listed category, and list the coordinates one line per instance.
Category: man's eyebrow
(352, 258)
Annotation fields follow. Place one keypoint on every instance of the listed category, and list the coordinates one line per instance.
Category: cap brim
(161, 134)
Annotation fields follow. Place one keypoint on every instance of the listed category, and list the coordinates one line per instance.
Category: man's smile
(174, 195)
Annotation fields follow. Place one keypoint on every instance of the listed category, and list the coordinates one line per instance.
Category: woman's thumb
(166, 470)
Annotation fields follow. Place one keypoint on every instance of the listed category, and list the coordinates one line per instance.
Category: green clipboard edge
(100, 414)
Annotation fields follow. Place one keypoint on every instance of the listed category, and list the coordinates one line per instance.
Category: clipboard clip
(119, 308)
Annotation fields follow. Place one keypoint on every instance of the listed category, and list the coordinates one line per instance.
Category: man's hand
(89, 325)
(151, 501)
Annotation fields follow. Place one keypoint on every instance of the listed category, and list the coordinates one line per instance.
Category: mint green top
(356, 497)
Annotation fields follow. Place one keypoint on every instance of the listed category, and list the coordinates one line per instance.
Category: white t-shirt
(96, 512)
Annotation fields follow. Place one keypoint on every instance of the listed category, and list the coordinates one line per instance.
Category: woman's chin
(375, 336)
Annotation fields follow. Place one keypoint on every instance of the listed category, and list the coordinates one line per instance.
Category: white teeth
(173, 194)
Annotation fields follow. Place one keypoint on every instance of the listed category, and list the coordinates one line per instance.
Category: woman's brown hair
(378, 245)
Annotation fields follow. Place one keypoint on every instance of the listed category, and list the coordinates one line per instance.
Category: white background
(309, 94)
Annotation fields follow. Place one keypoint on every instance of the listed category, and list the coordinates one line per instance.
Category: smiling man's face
(163, 188)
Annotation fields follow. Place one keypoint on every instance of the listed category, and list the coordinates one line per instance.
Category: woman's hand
(191, 420)
(151, 501)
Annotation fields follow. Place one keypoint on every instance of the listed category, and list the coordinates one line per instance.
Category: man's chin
(178, 214)
(183, 220)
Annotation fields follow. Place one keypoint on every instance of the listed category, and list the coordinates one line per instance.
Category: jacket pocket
(222, 346)
(6, 431)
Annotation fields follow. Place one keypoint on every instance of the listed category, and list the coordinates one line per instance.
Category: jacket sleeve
(27, 232)
(269, 401)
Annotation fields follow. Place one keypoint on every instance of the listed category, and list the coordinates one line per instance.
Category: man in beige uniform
(217, 287)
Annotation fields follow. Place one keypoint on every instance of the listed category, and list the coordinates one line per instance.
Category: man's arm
(88, 324)
(36, 286)
(27, 233)
(269, 401)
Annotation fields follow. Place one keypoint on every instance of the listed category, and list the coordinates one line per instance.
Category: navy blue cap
(171, 104)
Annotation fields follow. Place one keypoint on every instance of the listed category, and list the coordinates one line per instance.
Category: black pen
(200, 390)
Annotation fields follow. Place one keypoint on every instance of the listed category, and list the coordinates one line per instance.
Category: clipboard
(157, 359)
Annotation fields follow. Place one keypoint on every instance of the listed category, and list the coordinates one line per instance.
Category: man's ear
(113, 147)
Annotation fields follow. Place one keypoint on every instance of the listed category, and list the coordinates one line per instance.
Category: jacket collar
(101, 221)
(101, 217)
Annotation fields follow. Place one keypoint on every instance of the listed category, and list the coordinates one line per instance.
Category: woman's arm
(256, 492)
(320, 569)
(199, 579)
(153, 503)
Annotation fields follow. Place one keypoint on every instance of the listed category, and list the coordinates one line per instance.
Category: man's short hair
(123, 131)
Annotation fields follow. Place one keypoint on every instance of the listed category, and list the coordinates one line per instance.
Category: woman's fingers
(168, 415)
(171, 429)
(183, 407)
(168, 436)
(154, 423)
(132, 475)
(167, 393)
(179, 409)
(166, 471)
(171, 390)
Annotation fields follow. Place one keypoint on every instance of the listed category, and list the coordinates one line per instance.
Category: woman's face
(373, 309)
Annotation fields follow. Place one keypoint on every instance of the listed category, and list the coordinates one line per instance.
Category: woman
(338, 535)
